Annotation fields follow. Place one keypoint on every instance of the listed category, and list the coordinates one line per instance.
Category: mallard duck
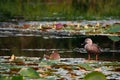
(91, 48)
(53, 56)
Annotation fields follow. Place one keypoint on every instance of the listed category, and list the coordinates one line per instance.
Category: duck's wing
(96, 48)
(55, 56)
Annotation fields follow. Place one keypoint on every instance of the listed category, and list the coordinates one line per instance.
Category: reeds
(59, 10)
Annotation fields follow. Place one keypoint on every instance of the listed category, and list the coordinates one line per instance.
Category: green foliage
(86, 66)
(52, 78)
(47, 62)
(29, 72)
(111, 64)
(95, 76)
(113, 29)
(40, 79)
(5, 65)
(114, 38)
(72, 9)
(19, 60)
(17, 78)
(54, 70)
(4, 78)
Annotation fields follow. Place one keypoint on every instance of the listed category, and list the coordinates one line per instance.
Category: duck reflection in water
(91, 48)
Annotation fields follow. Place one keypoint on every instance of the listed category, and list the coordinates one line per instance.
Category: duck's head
(88, 41)
(55, 51)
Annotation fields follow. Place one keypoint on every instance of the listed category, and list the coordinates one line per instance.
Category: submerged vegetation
(59, 9)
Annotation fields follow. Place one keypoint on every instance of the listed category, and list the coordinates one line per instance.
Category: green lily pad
(114, 28)
(95, 75)
(17, 78)
(41, 79)
(29, 72)
(5, 65)
(85, 66)
(19, 60)
(111, 64)
(4, 78)
(48, 62)
(114, 38)
(51, 78)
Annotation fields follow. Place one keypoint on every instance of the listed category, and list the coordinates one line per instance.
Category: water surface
(68, 47)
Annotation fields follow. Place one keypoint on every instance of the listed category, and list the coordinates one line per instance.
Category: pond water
(32, 41)
(68, 47)
(29, 44)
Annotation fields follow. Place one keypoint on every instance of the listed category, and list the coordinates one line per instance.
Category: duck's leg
(88, 56)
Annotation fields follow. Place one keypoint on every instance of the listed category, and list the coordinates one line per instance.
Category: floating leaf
(40, 79)
(48, 62)
(19, 60)
(5, 65)
(86, 66)
(114, 28)
(4, 78)
(17, 78)
(29, 72)
(112, 64)
(95, 75)
(51, 78)
(114, 38)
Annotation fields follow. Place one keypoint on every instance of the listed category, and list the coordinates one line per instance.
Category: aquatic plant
(58, 10)
(52, 70)
(29, 72)
(95, 76)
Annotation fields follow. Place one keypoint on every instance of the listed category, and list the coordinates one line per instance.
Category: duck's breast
(92, 48)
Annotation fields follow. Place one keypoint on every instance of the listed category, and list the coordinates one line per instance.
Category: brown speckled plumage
(91, 48)
(53, 56)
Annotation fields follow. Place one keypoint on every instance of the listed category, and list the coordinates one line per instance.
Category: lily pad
(114, 38)
(17, 78)
(4, 78)
(85, 66)
(51, 78)
(29, 72)
(95, 75)
(41, 79)
(111, 64)
(48, 62)
(114, 28)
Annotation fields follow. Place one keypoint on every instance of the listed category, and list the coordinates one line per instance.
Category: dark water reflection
(38, 45)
